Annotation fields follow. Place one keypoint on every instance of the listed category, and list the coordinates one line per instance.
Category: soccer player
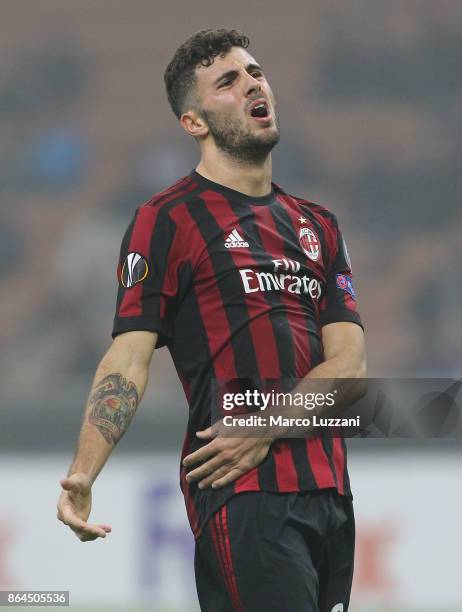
(242, 282)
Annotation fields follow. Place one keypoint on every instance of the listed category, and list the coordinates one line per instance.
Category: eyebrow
(233, 73)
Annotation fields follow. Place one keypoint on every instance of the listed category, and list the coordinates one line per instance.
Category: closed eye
(228, 79)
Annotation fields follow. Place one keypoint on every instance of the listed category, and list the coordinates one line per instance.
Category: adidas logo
(235, 240)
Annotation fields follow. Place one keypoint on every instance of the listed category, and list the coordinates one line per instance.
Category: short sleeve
(338, 303)
(151, 275)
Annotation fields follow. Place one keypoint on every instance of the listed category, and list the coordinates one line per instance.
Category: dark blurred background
(369, 96)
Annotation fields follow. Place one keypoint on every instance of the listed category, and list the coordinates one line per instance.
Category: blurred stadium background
(369, 96)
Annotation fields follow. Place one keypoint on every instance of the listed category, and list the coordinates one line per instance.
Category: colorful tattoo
(112, 406)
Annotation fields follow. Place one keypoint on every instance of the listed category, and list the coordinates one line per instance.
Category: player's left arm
(343, 371)
(344, 352)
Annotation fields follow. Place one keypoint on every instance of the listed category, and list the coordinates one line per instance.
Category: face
(238, 106)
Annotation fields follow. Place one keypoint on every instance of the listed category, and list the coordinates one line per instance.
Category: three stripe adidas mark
(235, 240)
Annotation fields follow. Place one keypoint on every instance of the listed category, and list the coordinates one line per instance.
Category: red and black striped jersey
(238, 287)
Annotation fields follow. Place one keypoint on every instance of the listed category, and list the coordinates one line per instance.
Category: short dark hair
(199, 49)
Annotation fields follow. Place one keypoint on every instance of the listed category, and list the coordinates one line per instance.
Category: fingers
(205, 469)
(219, 475)
(84, 531)
(206, 433)
(202, 454)
(89, 533)
(228, 478)
(224, 461)
(232, 458)
(215, 454)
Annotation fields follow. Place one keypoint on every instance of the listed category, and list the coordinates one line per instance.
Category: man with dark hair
(244, 284)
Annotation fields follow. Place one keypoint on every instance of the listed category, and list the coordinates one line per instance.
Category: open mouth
(259, 110)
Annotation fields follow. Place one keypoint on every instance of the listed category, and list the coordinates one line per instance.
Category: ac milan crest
(309, 243)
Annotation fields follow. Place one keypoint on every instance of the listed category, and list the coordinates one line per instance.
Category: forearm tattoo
(112, 406)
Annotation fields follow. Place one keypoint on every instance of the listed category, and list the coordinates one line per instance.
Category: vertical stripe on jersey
(195, 377)
(250, 481)
(346, 478)
(339, 463)
(266, 341)
(336, 298)
(269, 353)
(334, 446)
(286, 472)
(317, 460)
(189, 502)
(288, 246)
(140, 241)
(225, 366)
(260, 247)
(325, 435)
(298, 448)
(245, 358)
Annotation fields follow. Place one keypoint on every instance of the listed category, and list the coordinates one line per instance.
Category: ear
(194, 125)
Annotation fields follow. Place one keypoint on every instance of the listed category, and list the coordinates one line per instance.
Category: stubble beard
(237, 141)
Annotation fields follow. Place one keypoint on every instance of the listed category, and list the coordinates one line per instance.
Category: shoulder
(322, 214)
(167, 208)
(180, 192)
(162, 213)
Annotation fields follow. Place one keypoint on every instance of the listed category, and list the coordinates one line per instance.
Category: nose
(252, 85)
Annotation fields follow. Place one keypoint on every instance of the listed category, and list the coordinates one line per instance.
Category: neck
(250, 178)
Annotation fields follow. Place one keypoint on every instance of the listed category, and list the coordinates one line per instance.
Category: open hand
(74, 506)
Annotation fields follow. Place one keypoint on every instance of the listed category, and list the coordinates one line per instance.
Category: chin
(270, 137)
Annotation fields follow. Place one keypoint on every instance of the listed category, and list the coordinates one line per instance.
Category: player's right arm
(117, 389)
(151, 257)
